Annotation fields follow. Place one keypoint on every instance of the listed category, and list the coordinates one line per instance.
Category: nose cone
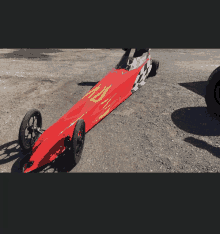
(45, 153)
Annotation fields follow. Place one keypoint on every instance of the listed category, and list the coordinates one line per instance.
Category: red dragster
(68, 133)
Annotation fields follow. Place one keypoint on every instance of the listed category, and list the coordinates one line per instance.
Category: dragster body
(103, 98)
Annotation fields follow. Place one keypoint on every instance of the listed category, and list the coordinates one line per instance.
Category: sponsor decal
(97, 97)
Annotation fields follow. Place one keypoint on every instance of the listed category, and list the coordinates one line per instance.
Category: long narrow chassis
(110, 92)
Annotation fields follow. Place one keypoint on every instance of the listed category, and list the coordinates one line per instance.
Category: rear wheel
(30, 129)
(154, 69)
(140, 80)
(212, 96)
(78, 140)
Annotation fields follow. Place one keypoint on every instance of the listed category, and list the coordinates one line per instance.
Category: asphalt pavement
(163, 127)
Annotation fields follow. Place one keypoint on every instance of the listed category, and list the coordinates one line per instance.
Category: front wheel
(30, 129)
(212, 96)
(78, 140)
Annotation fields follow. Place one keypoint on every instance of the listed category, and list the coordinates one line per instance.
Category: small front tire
(78, 140)
(30, 125)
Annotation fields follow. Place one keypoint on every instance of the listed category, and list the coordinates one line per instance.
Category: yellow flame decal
(102, 93)
(106, 104)
(92, 91)
(105, 107)
(104, 101)
(102, 116)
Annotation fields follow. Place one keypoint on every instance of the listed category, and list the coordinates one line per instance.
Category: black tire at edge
(155, 67)
(212, 105)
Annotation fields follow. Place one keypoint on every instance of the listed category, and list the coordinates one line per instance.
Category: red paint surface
(110, 92)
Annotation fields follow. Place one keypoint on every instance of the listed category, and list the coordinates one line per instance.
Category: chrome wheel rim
(31, 131)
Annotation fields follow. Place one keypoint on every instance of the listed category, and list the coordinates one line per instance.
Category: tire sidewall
(212, 104)
(155, 68)
(26, 119)
(80, 126)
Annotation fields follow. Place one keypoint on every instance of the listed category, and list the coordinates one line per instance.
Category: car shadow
(35, 54)
(196, 120)
(196, 87)
(64, 163)
(88, 83)
(11, 151)
(215, 151)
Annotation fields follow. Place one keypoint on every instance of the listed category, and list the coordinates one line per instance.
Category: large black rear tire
(155, 68)
(212, 96)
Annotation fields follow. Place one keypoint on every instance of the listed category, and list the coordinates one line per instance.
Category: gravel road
(163, 127)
